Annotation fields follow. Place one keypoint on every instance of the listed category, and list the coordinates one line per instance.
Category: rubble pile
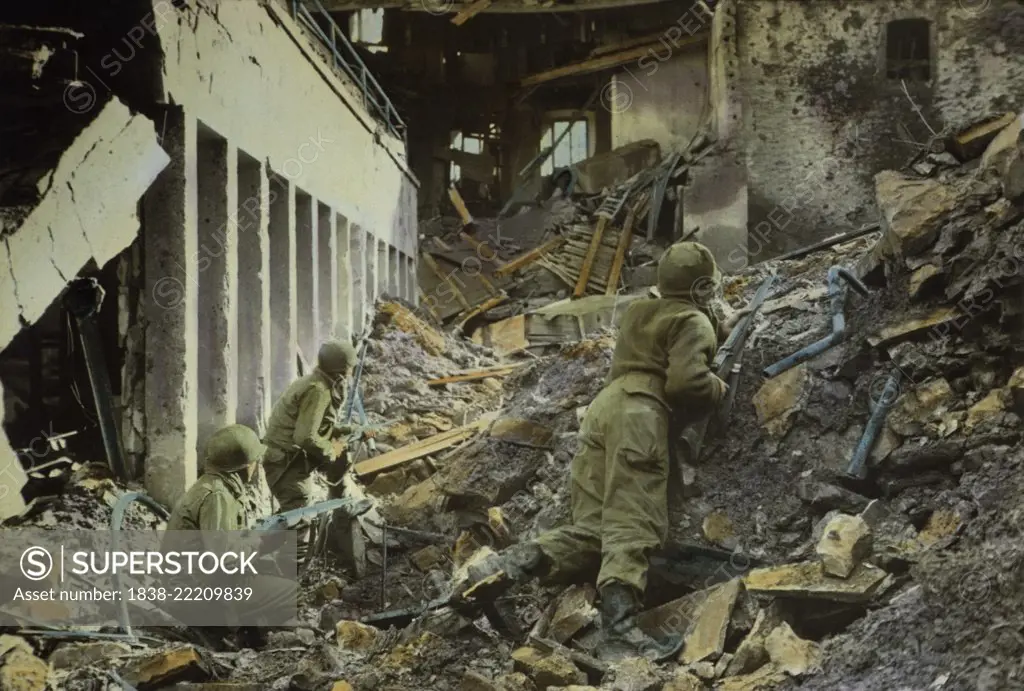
(790, 563)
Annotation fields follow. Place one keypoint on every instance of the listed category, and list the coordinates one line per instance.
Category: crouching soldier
(302, 429)
(660, 373)
(218, 502)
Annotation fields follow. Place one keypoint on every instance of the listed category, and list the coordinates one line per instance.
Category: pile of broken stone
(900, 577)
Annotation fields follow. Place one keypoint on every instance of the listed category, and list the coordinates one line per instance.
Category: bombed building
(197, 195)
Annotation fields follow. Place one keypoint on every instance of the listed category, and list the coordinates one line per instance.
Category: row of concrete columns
(246, 272)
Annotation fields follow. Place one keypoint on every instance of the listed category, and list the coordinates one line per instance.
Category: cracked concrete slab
(87, 211)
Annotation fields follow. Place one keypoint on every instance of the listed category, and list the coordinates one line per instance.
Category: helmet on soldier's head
(233, 448)
(336, 358)
(688, 270)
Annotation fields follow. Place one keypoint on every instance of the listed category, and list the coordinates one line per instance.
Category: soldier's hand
(733, 319)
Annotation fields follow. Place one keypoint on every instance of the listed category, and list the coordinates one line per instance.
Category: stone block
(780, 398)
(474, 681)
(913, 211)
(845, 544)
(719, 530)
(751, 654)
(574, 612)
(790, 653)
(915, 409)
(167, 667)
(1005, 155)
(636, 674)
(427, 558)
(768, 677)
(824, 496)
(20, 670)
(684, 681)
(706, 640)
(924, 280)
(547, 669)
(807, 580)
(913, 325)
(992, 408)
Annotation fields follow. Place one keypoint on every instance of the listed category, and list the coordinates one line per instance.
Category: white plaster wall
(660, 100)
(232, 65)
(821, 118)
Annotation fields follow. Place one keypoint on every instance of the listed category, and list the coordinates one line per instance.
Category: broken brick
(547, 670)
(845, 544)
(167, 667)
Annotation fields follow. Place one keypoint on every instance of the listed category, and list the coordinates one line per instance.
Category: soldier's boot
(620, 635)
(519, 563)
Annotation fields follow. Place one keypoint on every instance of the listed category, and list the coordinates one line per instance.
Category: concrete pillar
(383, 270)
(307, 267)
(254, 349)
(171, 241)
(344, 275)
(216, 265)
(394, 272)
(357, 260)
(414, 291)
(327, 288)
(283, 279)
(370, 280)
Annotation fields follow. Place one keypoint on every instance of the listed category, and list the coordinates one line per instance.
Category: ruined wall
(247, 79)
(821, 117)
(663, 98)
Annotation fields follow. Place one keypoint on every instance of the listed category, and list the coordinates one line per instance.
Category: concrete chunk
(1005, 155)
(909, 327)
(574, 612)
(23, 671)
(751, 654)
(806, 580)
(918, 407)
(780, 398)
(167, 667)
(547, 670)
(707, 639)
(845, 544)
(636, 674)
(72, 655)
(684, 681)
(912, 210)
(790, 653)
(768, 677)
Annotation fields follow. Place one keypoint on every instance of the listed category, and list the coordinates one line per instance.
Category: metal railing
(346, 58)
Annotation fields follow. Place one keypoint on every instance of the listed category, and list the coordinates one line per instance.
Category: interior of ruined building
(196, 194)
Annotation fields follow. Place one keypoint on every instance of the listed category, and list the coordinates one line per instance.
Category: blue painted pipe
(837, 296)
(858, 464)
(115, 530)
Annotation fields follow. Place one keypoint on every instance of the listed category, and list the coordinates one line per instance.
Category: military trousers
(619, 491)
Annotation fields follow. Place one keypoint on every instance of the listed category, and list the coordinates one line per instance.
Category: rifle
(291, 519)
(728, 364)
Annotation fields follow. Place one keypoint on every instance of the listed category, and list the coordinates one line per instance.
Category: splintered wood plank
(479, 247)
(473, 375)
(488, 304)
(530, 257)
(460, 205)
(588, 262)
(470, 12)
(432, 263)
(424, 447)
(625, 237)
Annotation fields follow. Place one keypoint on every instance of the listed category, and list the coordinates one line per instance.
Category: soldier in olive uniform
(660, 375)
(219, 501)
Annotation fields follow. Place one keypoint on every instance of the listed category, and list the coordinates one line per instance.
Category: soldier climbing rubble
(304, 434)
(660, 379)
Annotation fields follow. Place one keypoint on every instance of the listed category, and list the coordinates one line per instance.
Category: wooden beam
(424, 447)
(474, 375)
(530, 257)
(426, 302)
(478, 246)
(625, 237)
(460, 205)
(469, 12)
(488, 304)
(432, 263)
(603, 62)
(497, 6)
(588, 261)
(645, 40)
